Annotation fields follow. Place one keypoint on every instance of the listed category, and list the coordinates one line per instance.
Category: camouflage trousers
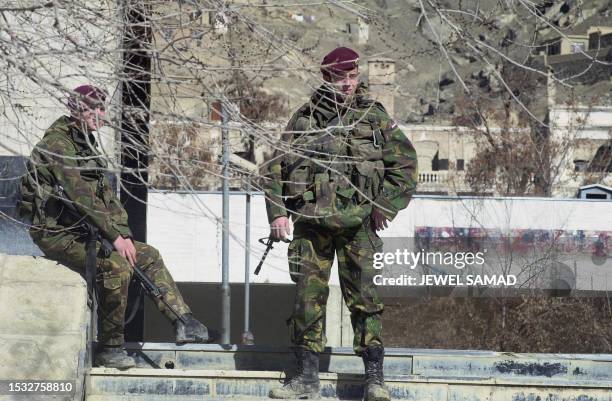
(311, 255)
(113, 275)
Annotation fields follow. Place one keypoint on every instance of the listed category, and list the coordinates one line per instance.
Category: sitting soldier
(65, 185)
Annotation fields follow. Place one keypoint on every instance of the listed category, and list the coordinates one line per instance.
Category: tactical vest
(34, 193)
(335, 170)
(41, 196)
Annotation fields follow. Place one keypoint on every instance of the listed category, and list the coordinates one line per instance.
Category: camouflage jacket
(332, 165)
(65, 166)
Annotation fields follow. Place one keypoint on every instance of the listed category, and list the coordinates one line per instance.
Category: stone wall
(43, 324)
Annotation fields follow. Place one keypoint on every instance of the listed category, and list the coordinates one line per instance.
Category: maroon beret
(339, 60)
(90, 95)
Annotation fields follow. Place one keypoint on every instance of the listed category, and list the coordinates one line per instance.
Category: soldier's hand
(126, 248)
(280, 228)
(379, 221)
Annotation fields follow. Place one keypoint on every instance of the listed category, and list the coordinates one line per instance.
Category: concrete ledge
(398, 361)
(161, 384)
(390, 379)
(43, 322)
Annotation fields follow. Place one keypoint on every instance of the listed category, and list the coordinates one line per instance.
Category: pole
(247, 336)
(136, 100)
(225, 287)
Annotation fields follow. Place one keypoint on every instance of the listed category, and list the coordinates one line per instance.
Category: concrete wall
(43, 323)
(589, 122)
(185, 230)
(184, 227)
(270, 306)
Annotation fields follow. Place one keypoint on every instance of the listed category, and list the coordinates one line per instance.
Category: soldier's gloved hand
(126, 248)
(379, 221)
(280, 228)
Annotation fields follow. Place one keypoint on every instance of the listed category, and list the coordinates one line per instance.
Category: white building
(586, 134)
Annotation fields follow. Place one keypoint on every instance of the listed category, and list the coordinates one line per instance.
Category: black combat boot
(192, 331)
(375, 389)
(305, 384)
(114, 357)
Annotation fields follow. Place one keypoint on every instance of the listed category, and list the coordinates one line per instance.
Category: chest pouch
(365, 148)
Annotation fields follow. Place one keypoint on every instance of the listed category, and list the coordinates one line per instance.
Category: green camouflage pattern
(113, 275)
(339, 163)
(67, 157)
(332, 166)
(311, 255)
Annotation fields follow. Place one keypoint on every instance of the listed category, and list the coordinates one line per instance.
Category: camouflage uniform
(340, 163)
(68, 158)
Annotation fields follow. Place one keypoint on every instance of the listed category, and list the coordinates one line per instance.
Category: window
(580, 165)
(435, 162)
(554, 48)
(439, 164)
(596, 196)
(594, 40)
(460, 164)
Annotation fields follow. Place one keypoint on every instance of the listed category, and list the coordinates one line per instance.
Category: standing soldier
(66, 168)
(347, 170)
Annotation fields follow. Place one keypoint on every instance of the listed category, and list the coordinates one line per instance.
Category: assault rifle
(106, 248)
(269, 245)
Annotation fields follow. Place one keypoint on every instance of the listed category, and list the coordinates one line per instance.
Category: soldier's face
(93, 119)
(345, 82)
